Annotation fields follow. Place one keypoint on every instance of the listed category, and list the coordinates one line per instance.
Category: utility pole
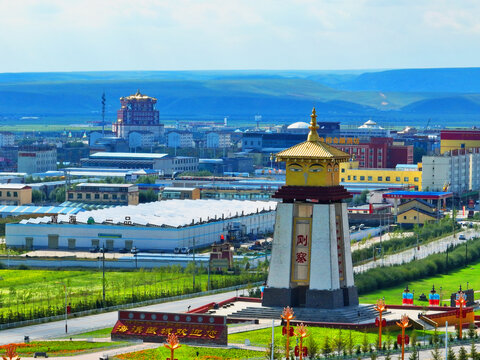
(103, 276)
(103, 114)
(194, 265)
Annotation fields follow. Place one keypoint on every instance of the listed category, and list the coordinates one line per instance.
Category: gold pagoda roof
(138, 96)
(313, 148)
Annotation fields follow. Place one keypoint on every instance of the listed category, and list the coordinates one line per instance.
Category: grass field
(100, 333)
(190, 352)
(26, 294)
(62, 348)
(448, 284)
(263, 337)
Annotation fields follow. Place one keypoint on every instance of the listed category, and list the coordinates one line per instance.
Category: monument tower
(311, 262)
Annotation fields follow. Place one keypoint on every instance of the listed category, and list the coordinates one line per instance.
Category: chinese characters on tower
(301, 250)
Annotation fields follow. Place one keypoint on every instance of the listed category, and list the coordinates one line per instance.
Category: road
(87, 323)
(438, 246)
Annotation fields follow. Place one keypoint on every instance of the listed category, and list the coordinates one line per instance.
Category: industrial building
(101, 193)
(15, 194)
(37, 158)
(156, 226)
(150, 161)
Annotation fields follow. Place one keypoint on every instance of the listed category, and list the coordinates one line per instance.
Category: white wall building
(180, 139)
(6, 139)
(459, 169)
(217, 140)
(157, 226)
(140, 139)
(37, 159)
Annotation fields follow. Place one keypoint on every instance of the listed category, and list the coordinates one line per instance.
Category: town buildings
(37, 158)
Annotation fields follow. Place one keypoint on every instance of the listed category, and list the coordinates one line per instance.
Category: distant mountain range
(394, 96)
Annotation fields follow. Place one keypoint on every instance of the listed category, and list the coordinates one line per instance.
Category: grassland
(27, 294)
(444, 284)
(190, 352)
(62, 348)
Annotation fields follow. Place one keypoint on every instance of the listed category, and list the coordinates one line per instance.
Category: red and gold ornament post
(172, 344)
(380, 307)
(287, 315)
(302, 334)
(404, 323)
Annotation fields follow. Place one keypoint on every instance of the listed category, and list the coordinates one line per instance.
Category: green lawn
(62, 348)
(190, 352)
(449, 284)
(26, 294)
(263, 337)
(100, 333)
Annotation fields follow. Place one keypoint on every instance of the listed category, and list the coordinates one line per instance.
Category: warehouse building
(156, 226)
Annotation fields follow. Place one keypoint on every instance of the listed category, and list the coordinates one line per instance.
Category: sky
(98, 35)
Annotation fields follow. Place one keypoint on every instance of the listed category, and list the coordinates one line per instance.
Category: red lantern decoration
(69, 309)
(384, 322)
(305, 351)
(297, 351)
(407, 339)
(291, 331)
(399, 339)
(284, 330)
(377, 322)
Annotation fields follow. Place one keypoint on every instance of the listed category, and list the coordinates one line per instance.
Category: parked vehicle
(462, 237)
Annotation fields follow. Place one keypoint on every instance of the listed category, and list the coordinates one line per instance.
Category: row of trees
(399, 241)
(347, 345)
(383, 277)
(18, 304)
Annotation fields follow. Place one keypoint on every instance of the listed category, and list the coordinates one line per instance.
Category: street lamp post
(380, 307)
(102, 250)
(66, 306)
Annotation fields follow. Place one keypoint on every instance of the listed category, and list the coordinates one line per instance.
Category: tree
(413, 338)
(147, 196)
(471, 331)
(462, 354)
(339, 342)
(312, 346)
(350, 343)
(436, 353)
(451, 353)
(473, 351)
(326, 347)
(365, 344)
(413, 354)
(38, 196)
(277, 352)
(57, 194)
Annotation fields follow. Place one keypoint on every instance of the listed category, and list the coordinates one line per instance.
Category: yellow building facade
(415, 216)
(350, 173)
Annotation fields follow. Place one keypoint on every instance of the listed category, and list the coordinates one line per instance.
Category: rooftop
(14, 186)
(171, 213)
(106, 185)
(116, 155)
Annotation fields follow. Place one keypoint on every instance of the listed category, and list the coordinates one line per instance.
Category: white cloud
(48, 35)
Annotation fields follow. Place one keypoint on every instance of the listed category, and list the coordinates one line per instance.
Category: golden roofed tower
(313, 162)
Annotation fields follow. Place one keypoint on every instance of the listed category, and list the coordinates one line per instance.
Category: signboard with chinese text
(301, 250)
(341, 141)
(155, 327)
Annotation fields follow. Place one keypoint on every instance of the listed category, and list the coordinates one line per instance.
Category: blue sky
(73, 35)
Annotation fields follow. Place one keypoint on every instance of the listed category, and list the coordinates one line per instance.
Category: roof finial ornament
(313, 135)
(138, 92)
